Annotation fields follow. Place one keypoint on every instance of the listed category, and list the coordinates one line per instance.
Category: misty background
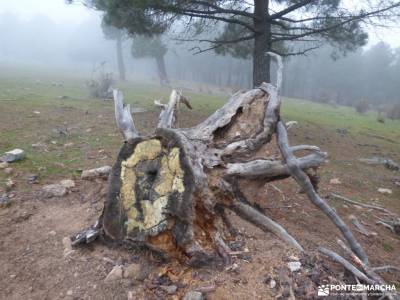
(70, 37)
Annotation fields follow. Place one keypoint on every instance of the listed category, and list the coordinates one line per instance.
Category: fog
(51, 34)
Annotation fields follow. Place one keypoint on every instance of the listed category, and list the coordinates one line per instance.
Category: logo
(355, 289)
(323, 290)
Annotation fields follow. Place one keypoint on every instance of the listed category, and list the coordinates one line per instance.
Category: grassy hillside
(62, 130)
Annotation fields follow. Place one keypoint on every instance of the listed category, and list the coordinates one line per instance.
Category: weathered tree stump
(170, 191)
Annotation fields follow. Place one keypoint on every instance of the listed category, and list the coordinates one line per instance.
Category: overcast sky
(60, 12)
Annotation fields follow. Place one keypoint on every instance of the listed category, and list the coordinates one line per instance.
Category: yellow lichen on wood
(169, 179)
(174, 165)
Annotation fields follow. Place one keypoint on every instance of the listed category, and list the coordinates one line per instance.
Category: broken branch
(304, 181)
(123, 116)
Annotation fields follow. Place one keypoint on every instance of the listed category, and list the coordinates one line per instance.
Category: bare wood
(123, 116)
(220, 118)
(368, 270)
(290, 124)
(273, 168)
(262, 221)
(167, 118)
(345, 199)
(386, 268)
(360, 227)
(358, 261)
(348, 266)
(305, 147)
(279, 73)
(304, 181)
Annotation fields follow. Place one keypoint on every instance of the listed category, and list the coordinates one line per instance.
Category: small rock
(293, 258)
(272, 284)
(67, 183)
(8, 171)
(193, 295)
(70, 293)
(94, 173)
(54, 190)
(335, 181)
(67, 246)
(39, 145)
(13, 155)
(10, 184)
(68, 145)
(52, 233)
(31, 178)
(12, 276)
(36, 112)
(132, 271)
(4, 165)
(5, 201)
(115, 274)
(169, 289)
(294, 266)
(132, 295)
(385, 191)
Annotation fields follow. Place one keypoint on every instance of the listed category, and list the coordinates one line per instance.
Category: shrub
(100, 85)
(380, 118)
(362, 106)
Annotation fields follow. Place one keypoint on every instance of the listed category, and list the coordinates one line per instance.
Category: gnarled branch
(304, 181)
(123, 116)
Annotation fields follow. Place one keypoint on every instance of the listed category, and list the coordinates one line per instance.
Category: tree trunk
(262, 43)
(169, 191)
(120, 59)
(162, 71)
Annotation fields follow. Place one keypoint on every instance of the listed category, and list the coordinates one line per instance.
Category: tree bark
(262, 43)
(120, 58)
(169, 190)
(162, 71)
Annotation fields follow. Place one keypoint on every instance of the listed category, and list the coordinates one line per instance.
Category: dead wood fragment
(169, 191)
(123, 116)
(346, 264)
(305, 183)
(386, 269)
(367, 269)
(360, 227)
(387, 162)
(260, 220)
(345, 199)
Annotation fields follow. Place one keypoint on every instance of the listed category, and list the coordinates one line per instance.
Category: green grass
(24, 91)
(340, 117)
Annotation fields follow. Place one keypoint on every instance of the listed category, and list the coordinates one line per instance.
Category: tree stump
(170, 191)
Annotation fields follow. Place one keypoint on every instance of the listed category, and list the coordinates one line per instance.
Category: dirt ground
(33, 264)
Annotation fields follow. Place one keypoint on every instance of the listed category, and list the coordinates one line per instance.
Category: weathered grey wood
(167, 117)
(123, 116)
(260, 220)
(168, 190)
(270, 119)
(345, 199)
(360, 227)
(370, 272)
(345, 263)
(304, 181)
(273, 168)
(305, 147)
(204, 131)
(279, 72)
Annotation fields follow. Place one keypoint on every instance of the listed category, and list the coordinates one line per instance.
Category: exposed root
(305, 183)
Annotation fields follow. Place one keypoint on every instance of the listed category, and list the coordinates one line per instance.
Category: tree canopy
(243, 29)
